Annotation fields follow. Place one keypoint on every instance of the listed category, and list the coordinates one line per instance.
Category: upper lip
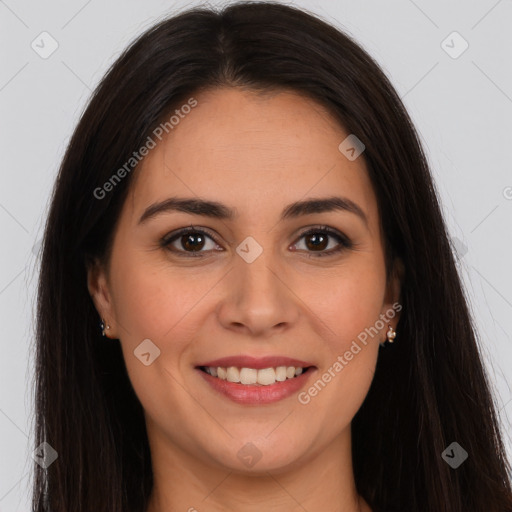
(256, 362)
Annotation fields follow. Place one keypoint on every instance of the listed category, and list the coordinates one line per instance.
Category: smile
(251, 386)
(253, 376)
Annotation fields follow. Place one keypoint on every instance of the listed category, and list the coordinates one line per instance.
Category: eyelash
(344, 242)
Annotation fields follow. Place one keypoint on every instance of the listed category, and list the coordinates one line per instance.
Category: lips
(255, 393)
(257, 363)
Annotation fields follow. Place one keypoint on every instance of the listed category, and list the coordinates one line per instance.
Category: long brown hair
(429, 388)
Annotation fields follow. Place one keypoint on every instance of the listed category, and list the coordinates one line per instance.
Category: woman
(248, 299)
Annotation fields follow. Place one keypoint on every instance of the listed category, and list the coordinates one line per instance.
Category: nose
(257, 299)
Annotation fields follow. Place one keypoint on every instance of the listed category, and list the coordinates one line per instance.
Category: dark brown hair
(429, 388)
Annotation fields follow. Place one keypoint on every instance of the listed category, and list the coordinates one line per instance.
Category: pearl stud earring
(102, 327)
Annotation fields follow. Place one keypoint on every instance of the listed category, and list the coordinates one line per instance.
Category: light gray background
(461, 106)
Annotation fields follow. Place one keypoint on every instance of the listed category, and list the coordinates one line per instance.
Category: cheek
(153, 303)
(144, 304)
(349, 302)
(348, 321)
(155, 300)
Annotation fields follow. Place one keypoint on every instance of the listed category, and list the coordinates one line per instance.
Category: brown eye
(194, 242)
(189, 241)
(317, 241)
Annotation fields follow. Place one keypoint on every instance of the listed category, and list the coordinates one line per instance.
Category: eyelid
(327, 229)
(189, 229)
(343, 241)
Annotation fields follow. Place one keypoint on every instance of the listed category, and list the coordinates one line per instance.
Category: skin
(255, 153)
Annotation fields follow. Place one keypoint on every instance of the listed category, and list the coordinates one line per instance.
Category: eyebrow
(218, 210)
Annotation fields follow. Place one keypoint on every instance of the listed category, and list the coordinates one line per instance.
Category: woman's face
(250, 285)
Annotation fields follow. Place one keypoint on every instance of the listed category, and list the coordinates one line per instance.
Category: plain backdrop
(460, 100)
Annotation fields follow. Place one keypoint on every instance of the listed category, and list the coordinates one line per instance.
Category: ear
(99, 290)
(393, 295)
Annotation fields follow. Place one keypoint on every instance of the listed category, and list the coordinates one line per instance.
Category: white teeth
(281, 373)
(264, 376)
(233, 374)
(248, 376)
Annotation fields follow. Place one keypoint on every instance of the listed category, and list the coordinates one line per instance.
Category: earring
(102, 327)
(391, 334)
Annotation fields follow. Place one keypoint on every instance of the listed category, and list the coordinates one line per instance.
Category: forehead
(253, 152)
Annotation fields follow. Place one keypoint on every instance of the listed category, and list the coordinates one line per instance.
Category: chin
(255, 455)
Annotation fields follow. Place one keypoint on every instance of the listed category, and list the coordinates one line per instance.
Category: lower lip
(256, 395)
